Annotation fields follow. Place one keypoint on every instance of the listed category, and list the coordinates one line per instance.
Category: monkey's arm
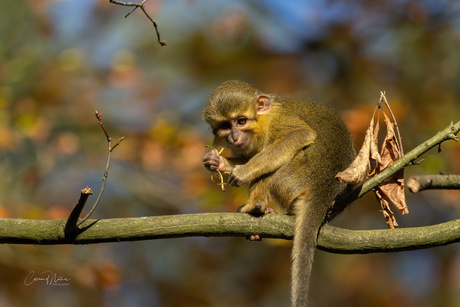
(273, 156)
(213, 161)
(231, 163)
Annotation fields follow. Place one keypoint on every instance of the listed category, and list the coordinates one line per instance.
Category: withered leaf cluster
(370, 162)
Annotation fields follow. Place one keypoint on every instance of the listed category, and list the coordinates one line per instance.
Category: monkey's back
(331, 152)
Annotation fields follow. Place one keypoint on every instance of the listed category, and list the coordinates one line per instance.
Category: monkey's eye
(242, 121)
(224, 126)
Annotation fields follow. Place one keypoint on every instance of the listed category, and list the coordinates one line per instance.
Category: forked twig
(142, 7)
(107, 165)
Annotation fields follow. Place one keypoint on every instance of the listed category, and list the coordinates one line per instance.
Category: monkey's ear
(264, 104)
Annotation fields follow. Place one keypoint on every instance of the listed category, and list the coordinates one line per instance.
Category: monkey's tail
(310, 214)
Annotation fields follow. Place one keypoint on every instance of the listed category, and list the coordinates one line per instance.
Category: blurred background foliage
(61, 60)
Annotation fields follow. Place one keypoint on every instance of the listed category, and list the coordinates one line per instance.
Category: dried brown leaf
(369, 162)
(386, 210)
(391, 190)
(359, 168)
(390, 148)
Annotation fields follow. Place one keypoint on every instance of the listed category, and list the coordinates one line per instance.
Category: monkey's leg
(259, 195)
(257, 204)
(257, 237)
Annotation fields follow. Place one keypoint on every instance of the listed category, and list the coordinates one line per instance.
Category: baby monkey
(285, 150)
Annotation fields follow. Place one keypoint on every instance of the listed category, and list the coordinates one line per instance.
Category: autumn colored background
(61, 60)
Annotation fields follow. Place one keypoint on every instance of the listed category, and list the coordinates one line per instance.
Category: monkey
(286, 150)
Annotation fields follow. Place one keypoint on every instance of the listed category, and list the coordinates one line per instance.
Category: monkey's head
(233, 110)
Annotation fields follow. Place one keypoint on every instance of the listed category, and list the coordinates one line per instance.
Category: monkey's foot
(257, 209)
(269, 210)
(254, 238)
(258, 238)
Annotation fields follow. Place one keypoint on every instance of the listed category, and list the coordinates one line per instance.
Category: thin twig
(99, 121)
(117, 143)
(107, 165)
(142, 7)
(384, 99)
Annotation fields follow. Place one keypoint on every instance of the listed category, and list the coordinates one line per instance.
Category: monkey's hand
(213, 161)
(238, 176)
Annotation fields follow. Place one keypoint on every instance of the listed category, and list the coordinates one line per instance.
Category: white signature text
(49, 278)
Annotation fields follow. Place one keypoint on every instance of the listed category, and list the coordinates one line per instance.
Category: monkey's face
(236, 131)
(234, 116)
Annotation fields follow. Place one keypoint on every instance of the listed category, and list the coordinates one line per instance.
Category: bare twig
(72, 220)
(440, 148)
(384, 100)
(142, 7)
(117, 143)
(107, 165)
(99, 121)
(419, 162)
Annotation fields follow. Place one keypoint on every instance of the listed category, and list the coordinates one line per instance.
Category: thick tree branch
(332, 239)
(344, 241)
(430, 182)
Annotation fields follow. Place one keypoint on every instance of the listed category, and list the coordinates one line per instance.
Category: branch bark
(431, 182)
(331, 239)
